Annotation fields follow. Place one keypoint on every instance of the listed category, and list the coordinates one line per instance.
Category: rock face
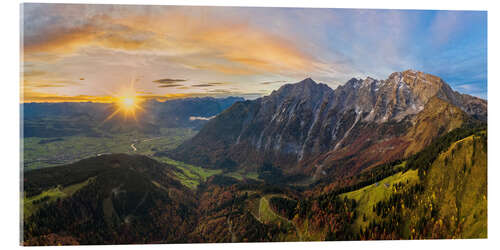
(308, 127)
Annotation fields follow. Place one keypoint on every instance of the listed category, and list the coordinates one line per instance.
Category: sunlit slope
(448, 200)
(368, 196)
(438, 118)
(457, 182)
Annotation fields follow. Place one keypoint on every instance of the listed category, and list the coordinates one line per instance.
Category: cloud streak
(168, 81)
(271, 82)
(170, 86)
(203, 85)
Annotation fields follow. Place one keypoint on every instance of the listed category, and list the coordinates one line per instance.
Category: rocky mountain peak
(307, 81)
(415, 78)
(305, 89)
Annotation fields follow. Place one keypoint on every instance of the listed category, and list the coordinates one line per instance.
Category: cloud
(170, 86)
(447, 26)
(33, 73)
(271, 82)
(49, 85)
(210, 84)
(59, 40)
(193, 118)
(169, 80)
(222, 91)
(444, 25)
(49, 80)
(219, 83)
(469, 87)
(203, 85)
(234, 46)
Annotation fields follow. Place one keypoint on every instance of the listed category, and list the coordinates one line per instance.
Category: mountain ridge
(300, 122)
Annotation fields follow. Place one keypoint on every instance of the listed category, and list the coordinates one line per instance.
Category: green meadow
(368, 196)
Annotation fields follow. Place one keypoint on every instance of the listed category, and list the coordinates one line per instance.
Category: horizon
(104, 99)
(84, 52)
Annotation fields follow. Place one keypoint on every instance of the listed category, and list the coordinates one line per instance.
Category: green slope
(449, 200)
(368, 196)
(32, 204)
(457, 181)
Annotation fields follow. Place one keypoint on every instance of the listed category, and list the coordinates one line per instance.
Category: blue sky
(89, 52)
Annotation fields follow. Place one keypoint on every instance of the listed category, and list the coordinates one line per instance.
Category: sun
(127, 103)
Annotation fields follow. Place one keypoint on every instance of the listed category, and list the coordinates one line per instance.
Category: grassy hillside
(33, 203)
(447, 199)
(189, 175)
(457, 183)
(368, 196)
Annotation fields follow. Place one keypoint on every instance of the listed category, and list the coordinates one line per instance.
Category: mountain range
(309, 128)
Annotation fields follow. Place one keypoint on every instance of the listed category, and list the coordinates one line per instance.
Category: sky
(74, 52)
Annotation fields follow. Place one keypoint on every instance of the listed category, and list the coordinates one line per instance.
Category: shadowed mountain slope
(310, 128)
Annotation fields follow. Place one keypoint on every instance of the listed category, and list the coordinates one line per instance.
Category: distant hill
(89, 119)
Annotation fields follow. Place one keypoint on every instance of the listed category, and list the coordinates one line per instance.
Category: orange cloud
(226, 46)
(60, 41)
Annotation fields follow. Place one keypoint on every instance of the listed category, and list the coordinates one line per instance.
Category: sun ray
(127, 102)
(112, 115)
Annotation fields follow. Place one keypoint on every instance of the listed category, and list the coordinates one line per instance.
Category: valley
(42, 152)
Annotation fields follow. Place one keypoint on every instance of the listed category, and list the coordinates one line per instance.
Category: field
(241, 174)
(190, 176)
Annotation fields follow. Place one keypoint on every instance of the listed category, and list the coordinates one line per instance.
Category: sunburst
(127, 103)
